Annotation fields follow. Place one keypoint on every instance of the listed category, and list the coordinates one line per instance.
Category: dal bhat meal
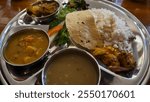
(105, 35)
(98, 27)
(100, 31)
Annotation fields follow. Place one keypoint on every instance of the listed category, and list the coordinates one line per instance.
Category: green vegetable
(62, 37)
(62, 14)
(73, 5)
(78, 4)
(54, 23)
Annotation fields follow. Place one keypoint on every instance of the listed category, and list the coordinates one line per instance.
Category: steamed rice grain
(114, 30)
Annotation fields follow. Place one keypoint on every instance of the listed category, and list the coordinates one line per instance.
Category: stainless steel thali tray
(137, 77)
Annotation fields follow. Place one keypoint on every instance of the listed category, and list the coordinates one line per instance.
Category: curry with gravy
(26, 46)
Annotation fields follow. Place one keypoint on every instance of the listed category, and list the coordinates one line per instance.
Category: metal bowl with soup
(71, 66)
(26, 47)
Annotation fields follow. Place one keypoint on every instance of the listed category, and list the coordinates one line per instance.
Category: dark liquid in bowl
(72, 69)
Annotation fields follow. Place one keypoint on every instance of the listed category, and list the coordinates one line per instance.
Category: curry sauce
(26, 46)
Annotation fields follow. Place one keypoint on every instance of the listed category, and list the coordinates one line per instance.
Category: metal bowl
(42, 17)
(73, 51)
(26, 31)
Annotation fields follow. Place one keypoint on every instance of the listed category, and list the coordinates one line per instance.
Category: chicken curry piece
(26, 47)
(116, 60)
(43, 8)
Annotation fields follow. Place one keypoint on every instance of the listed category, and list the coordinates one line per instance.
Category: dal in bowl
(71, 66)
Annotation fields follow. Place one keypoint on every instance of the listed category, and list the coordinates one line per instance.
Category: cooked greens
(62, 37)
(54, 23)
(62, 14)
(78, 4)
(71, 6)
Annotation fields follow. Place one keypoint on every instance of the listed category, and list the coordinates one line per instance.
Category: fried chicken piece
(108, 55)
(106, 50)
(110, 60)
(116, 60)
(127, 60)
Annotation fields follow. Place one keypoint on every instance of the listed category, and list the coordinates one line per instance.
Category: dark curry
(43, 8)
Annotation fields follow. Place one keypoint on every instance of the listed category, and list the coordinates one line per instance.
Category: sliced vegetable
(62, 37)
(55, 30)
(54, 23)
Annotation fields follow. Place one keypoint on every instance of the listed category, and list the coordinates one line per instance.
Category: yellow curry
(26, 46)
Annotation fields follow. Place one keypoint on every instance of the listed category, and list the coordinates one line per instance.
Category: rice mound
(99, 28)
(113, 29)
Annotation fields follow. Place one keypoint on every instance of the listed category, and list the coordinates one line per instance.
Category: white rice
(114, 30)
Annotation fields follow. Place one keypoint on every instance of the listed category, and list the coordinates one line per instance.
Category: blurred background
(9, 8)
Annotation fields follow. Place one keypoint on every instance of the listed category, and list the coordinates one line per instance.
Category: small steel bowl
(42, 16)
(34, 62)
(72, 51)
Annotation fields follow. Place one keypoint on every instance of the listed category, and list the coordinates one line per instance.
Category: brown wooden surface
(140, 8)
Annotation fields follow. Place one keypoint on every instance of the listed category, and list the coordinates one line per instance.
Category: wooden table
(9, 8)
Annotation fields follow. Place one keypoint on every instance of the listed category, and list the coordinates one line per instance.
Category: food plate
(139, 75)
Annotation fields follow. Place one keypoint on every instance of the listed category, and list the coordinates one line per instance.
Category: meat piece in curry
(115, 59)
(43, 8)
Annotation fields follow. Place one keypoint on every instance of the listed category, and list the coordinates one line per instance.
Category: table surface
(140, 8)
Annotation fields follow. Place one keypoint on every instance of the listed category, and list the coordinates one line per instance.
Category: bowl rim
(32, 62)
(66, 50)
